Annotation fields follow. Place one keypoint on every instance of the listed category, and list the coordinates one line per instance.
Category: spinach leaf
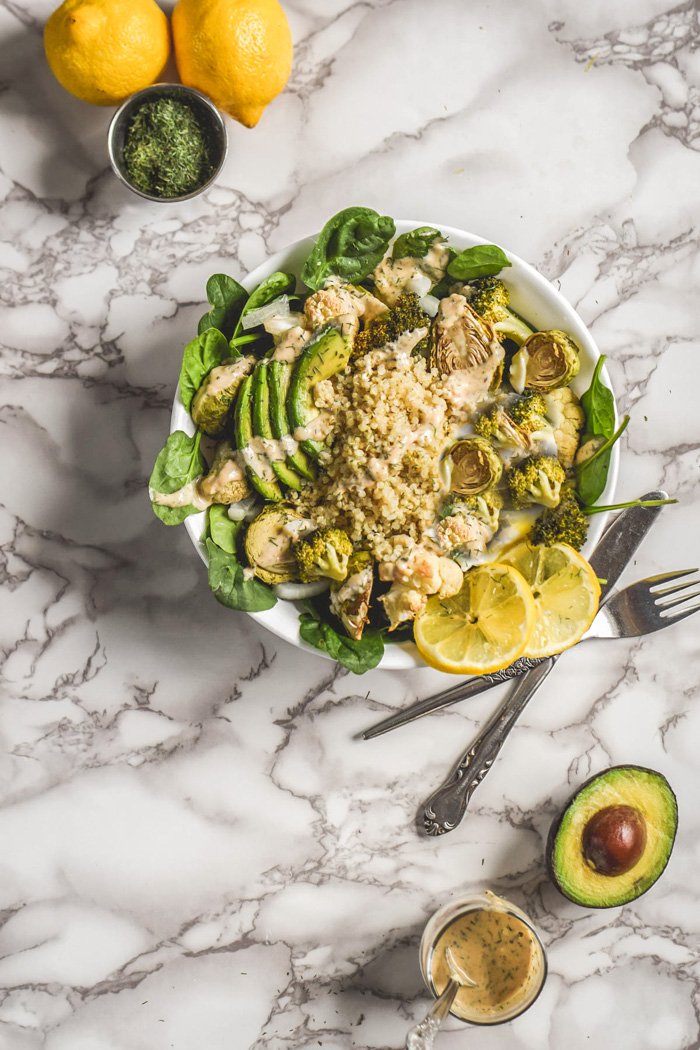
(272, 287)
(592, 474)
(416, 243)
(350, 245)
(203, 353)
(227, 298)
(599, 406)
(222, 529)
(483, 260)
(229, 585)
(177, 463)
(358, 657)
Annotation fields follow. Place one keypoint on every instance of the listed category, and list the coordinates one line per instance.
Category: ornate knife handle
(445, 808)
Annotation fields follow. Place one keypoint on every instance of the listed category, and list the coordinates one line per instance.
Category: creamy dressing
(499, 952)
(394, 277)
(224, 376)
(316, 429)
(187, 496)
(291, 345)
(254, 455)
(230, 470)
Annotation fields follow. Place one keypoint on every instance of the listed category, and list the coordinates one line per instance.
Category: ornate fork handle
(445, 808)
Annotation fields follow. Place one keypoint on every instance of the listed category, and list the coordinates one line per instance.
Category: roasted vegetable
(498, 426)
(546, 360)
(406, 316)
(269, 543)
(491, 300)
(225, 482)
(564, 412)
(565, 523)
(537, 479)
(350, 598)
(217, 393)
(464, 341)
(325, 552)
(528, 412)
(476, 466)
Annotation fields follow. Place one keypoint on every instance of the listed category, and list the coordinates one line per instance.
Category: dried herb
(168, 151)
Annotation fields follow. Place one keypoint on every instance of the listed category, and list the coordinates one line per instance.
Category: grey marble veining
(195, 849)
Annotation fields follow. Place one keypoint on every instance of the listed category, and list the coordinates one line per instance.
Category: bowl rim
(404, 656)
(159, 89)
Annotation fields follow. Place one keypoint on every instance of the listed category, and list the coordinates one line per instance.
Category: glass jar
(465, 1007)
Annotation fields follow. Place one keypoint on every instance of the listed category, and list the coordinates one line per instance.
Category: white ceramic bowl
(532, 296)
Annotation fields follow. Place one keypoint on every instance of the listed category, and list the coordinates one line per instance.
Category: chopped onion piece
(296, 592)
(245, 510)
(277, 326)
(419, 284)
(431, 304)
(279, 307)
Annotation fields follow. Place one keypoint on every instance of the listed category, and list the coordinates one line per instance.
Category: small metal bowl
(203, 107)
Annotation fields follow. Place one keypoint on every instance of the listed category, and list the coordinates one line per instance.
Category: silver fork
(642, 608)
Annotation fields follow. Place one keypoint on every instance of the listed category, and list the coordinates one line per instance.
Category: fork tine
(662, 577)
(682, 613)
(673, 590)
(663, 606)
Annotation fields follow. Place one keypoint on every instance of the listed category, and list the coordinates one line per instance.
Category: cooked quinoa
(381, 476)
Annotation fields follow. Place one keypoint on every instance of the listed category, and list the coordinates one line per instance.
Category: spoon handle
(445, 808)
(422, 1036)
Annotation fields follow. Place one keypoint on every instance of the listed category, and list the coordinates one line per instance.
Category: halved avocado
(614, 838)
(262, 428)
(326, 354)
(243, 432)
(279, 373)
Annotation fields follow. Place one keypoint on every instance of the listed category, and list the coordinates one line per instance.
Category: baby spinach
(203, 353)
(177, 463)
(357, 656)
(272, 287)
(222, 529)
(416, 243)
(483, 260)
(227, 298)
(229, 584)
(599, 405)
(349, 246)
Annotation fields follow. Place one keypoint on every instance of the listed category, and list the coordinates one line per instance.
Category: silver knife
(447, 805)
(615, 550)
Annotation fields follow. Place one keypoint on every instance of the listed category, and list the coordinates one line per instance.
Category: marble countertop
(195, 850)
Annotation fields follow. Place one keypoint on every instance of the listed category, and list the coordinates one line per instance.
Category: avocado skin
(557, 823)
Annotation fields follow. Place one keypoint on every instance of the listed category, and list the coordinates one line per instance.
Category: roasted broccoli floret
(565, 523)
(537, 479)
(325, 552)
(528, 412)
(497, 425)
(406, 316)
(491, 300)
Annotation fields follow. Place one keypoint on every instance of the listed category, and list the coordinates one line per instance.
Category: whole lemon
(105, 50)
(238, 52)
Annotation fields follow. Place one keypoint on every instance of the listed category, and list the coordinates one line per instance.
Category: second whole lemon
(238, 52)
(102, 51)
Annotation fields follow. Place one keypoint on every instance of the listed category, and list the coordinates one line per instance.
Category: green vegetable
(483, 260)
(167, 151)
(592, 473)
(227, 298)
(222, 530)
(357, 656)
(528, 412)
(262, 427)
(537, 479)
(565, 523)
(229, 585)
(405, 316)
(599, 405)
(349, 246)
(243, 433)
(632, 503)
(271, 288)
(416, 244)
(177, 463)
(325, 552)
(491, 300)
(326, 354)
(203, 353)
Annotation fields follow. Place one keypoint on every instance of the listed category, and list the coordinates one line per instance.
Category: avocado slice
(279, 374)
(327, 353)
(258, 466)
(614, 837)
(262, 428)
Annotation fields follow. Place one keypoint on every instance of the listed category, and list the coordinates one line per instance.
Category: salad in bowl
(390, 444)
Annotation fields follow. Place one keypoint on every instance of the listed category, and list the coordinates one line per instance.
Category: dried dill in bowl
(167, 142)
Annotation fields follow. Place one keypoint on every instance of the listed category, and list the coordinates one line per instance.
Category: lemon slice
(566, 593)
(481, 629)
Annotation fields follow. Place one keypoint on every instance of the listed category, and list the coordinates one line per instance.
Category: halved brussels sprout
(476, 466)
(350, 599)
(463, 340)
(217, 393)
(546, 360)
(269, 543)
(226, 480)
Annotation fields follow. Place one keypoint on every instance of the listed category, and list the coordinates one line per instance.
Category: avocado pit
(614, 839)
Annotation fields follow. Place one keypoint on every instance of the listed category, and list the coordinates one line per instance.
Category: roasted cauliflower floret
(325, 552)
(564, 412)
(464, 532)
(415, 577)
(343, 303)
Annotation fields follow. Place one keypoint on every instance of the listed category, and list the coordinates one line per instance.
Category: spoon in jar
(422, 1035)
